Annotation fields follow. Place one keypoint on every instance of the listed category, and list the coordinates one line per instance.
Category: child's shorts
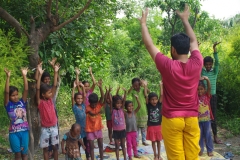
(19, 141)
(109, 124)
(154, 133)
(46, 133)
(119, 134)
(94, 135)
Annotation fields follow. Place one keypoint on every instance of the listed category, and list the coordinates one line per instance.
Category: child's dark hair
(127, 103)
(44, 88)
(207, 59)
(181, 43)
(201, 83)
(76, 94)
(93, 98)
(151, 95)
(44, 75)
(12, 89)
(135, 80)
(74, 126)
(115, 99)
(84, 82)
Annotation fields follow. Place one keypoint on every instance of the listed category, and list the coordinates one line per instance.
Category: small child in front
(72, 138)
(205, 116)
(154, 133)
(94, 121)
(49, 128)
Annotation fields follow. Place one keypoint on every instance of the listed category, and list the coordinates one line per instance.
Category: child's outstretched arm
(161, 92)
(139, 105)
(40, 71)
(208, 84)
(63, 147)
(124, 97)
(77, 79)
(117, 90)
(130, 89)
(145, 93)
(110, 98)
(216, 60)
(73, 92)
(6, 94)
(101, 91)
(189, 31)
(52, 62)
(83, 91)
(93, 79)
(82, 144)
(54, 87)
(25, 92)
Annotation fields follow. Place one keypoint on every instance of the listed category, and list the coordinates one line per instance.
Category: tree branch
(32, 22)
(13, 22)
(49, 6)
(174, 23)
(56, 7)
(73, 18)
(195, 18)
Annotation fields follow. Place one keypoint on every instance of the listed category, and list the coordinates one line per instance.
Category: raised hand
(75, 84)
(24, 70)
(215, 44)
(185, 14)
(80, 84)
(143, 19)
(77, 70)
(124, 89)
(160, 83)
(8, 73)
(56, 67)
(136, 96)
(99, 83)
(53, 61)
(204, 78)
(90, 70)
(110, 88)
(40, 70)
(143, 83)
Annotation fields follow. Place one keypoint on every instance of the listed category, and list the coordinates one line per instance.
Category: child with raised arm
(212, 72)
(131, 127)
(79, 109)
(141, 116)
(180, 76)
(94, 121)
(16, 110)
(89, 90)
(49, 128)
(205, 116)
(154, 133)
(72, 138)
(118, 122)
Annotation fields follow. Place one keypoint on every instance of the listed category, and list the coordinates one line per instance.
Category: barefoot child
(49, 127)
(16, 109)
(94, 121)
(79, 109)
(72, 138)
(154, 133)
(131, 128)
(118, 122)
(205, 116)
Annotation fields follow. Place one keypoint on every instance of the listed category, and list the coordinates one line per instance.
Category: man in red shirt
(180, 76)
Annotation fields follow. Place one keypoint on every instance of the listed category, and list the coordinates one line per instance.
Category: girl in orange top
(94, 121)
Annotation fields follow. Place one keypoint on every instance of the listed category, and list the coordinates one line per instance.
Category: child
(89, 90)
(154, 121)
(131, 128)
(118, 122)
(204, 116)
(79, 109)
(16, 109)
(94, 121)
(72, 138)
(108, 115)
(212, 73)
(142, 113)
(49, 128)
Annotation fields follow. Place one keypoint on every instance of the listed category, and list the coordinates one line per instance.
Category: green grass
(230, 123)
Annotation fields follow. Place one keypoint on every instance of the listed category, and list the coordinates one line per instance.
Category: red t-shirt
(180, 83)
(47, 113)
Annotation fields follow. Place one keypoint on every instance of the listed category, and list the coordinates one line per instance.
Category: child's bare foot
(210, 154)
(200, 153)
(130, 158)
(155, 157)
(160, 158)
(137, 156)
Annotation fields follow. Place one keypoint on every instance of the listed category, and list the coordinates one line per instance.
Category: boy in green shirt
(212, 73)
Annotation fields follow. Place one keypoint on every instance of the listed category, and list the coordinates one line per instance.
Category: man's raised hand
(143, 19)
(185, 14)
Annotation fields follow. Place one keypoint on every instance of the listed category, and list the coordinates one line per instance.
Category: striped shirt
(212, 74)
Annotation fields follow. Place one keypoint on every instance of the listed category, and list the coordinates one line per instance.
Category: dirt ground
(230, 143)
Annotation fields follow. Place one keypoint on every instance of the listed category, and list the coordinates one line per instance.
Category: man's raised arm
(189, 31)
(152, 49)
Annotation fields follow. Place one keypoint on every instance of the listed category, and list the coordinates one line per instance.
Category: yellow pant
(181, 138)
